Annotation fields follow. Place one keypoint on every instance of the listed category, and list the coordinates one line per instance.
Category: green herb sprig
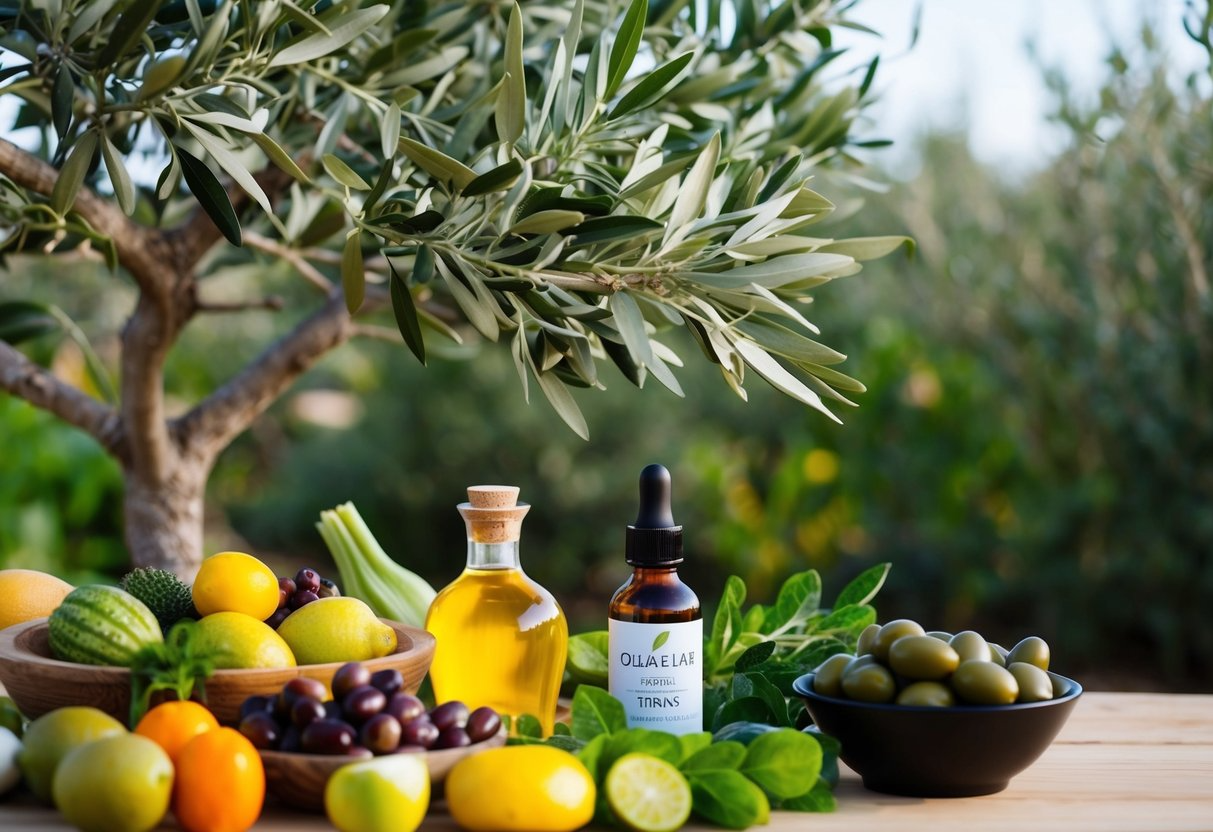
(180, 664)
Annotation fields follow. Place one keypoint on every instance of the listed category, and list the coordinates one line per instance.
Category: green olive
(869, 683)
(922, 657)
(971, 647)
(892, 631)
(981, 682)
(1034, 684)
(927, 695)
(939, 634)
(827, 678)
(866, 639)
(1032, 650)
(998, 654)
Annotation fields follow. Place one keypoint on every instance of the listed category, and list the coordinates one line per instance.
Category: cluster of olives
(368, 714)
(307, 586)
(900, 662)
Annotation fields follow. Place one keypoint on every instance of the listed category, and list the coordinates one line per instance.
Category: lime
(336, 629)
(648, 794)
(587, 661)
(49, 738)
(386, 794)
(119, 784)
(241, 641)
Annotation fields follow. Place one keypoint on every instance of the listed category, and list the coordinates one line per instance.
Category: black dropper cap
(654, 539)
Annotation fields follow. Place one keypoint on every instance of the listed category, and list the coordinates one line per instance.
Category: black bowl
(960, 751)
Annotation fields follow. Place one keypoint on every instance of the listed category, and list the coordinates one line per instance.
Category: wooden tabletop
(1125, 762)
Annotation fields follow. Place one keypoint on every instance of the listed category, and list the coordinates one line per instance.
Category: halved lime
(648, 794)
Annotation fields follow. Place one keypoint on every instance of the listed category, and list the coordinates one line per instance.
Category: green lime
(648, 794)
(587, 662)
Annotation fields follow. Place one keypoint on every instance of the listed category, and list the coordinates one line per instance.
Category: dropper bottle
(655, 624)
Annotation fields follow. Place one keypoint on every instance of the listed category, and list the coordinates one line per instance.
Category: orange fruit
(220, 783)
(235, 582)
(26, 594)
(173, 724)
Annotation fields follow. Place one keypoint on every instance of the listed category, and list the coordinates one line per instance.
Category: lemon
(337, 629)
(648, 794)
(235, 582)
(387, 794)
(26, 594)
(241, 641)
(50, 737)
(520, 787)
(119, 784)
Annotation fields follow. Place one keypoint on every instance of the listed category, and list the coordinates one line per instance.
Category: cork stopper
(493, 513)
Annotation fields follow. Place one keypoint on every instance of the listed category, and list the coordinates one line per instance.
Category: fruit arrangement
(902, 663)
(299, 591)
(367, 714)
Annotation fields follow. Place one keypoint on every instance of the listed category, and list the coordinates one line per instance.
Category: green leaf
(775, 701)
(546, 222)
(596, 712)
(658, 744)
(497, 179)
(846, 619)
(820, 798)
(754, 656)
(784, 763)
(87, 16)
(342, 30)
(779, 271)
(562, 402)
(864, 587)
(71, 176)
(627, 41)
(743, 709)
(279, 157)
(120, 178)
(343, 173)
(231, 165)
(527, 725)
(63, 96)
(720, 756)
(591, 753)
(437, 164)
(728, 799)
(23, 320)
(478, 315)
(604, 229)
(128, 31)
(423, 265)
(798, 598)
(726, 624)
(160, 75)
(694, 743)
(868, 248)
(779, 339)
(405, 311)
(631, 327)
(389, 130)
(779, 377)
(654, 86)
(510, 112)
(353, 275)
(661, 639)
(694, 191)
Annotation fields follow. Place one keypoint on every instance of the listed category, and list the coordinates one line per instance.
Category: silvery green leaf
(631, 327)
(353, 275)
(547, 222)
(808, 202)
(833, 377)
(572, 35)
(766, 214)
(868, 248)
(663, 374)
(436, 163)
(389, 131)
(279, 157)
(71, 175)
(776, 338)
(562, 402)
(648, 157)
(342, 30)
(301, 16)
(432, 67)
(120, 178)
(334, 126)
(343, 173)
(778, 271)
(627, 41)
(660, 175)
(480, 317)
(230, 164)
(559, 59)
(510, 113)
(89, 14)
(775, 246)
(652, 87)
(779, 377)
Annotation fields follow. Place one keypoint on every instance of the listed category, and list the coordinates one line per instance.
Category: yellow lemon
(386, 794)
(119, 784)
(241, 641)
(337, 629)
(26, 594)
(235, 582)
(532, 787)
(51, 736)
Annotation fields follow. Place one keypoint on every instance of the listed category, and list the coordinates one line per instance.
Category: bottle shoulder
(665, 601)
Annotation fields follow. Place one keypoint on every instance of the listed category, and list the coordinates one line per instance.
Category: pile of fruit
(902, 663)
(368, 713)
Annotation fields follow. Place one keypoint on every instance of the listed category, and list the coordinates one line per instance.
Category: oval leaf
(342, 30)
(210, 195)
(71, 177)
(353, 275)
(124, 188)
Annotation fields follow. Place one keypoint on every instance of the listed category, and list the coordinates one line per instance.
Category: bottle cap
(493, 513)
(654, 539)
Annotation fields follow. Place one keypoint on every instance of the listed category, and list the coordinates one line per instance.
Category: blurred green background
(1034, 453)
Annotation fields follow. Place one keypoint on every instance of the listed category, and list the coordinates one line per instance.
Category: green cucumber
(102, 625)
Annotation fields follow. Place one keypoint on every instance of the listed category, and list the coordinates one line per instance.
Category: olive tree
(569, 179)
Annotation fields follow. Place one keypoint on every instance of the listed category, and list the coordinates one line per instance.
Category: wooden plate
(298, 780)
(38, 683)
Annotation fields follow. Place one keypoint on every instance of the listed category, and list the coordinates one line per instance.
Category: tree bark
(163, 517)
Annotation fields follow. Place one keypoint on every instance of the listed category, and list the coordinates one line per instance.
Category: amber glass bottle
(654, 621)
(502, 638)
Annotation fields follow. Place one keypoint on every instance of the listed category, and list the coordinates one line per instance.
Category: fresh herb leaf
(784, 763)
(178, 665)
(596, 712)
(728, 798)
(864, 587)
(721, 756)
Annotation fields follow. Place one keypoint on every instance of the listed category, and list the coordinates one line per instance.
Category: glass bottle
(655, 641)
(502, 638)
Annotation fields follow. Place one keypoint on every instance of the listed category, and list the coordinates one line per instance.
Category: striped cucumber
(102, 625)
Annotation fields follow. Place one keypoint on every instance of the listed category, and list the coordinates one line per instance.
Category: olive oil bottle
(655, 641)
(502, 638)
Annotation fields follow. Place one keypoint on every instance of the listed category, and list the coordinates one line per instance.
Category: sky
(970, 68)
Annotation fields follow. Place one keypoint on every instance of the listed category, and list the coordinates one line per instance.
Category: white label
(656, 670)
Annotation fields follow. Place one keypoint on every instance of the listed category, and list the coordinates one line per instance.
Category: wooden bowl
(298, 780)
(38, 683)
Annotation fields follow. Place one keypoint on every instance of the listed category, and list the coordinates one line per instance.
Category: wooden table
(1123, 763)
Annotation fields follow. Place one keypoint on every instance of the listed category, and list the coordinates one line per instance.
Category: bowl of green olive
(935, 714)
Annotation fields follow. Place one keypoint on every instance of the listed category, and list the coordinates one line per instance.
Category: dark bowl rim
(803, 687)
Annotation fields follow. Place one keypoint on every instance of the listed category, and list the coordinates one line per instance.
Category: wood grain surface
(1123, 763)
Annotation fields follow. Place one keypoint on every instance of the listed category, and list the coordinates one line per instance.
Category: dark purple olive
(362, 703)
(262, 730)
(257, 705)
(291, 739)
(381, 734)
(420, 732)
(453, 737)
(332, 709)
(307, 710)
(302, 598)
(299, 687)
(389, 681)
(327, 736)
(482, 724)
(405, 707)
(277, 617)
(307, 579)
(349, 676)
(453, 714)
(286, 588)
(328, 589)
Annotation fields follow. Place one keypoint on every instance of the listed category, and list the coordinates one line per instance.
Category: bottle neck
(656, 574)
(493, 555)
